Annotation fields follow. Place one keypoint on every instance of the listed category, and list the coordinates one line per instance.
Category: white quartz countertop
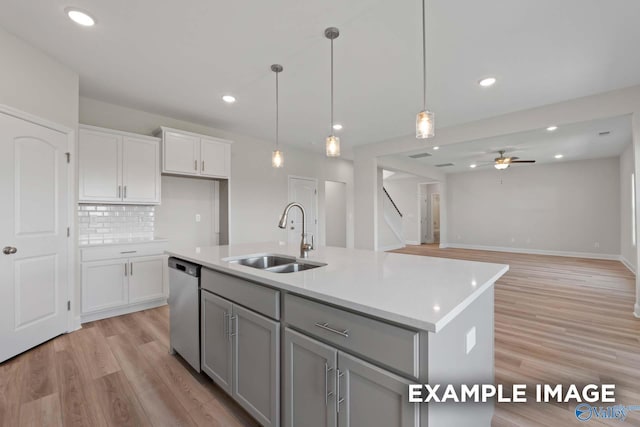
(421, 292)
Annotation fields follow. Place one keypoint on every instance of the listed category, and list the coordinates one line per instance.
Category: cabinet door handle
(340, 399)
(131, 269)
(125, 191)
(195, 165)
(119, 191)
(327, 393)
(225, 324)
(326, 327)
(125, 269)
(235, 331)
(203, 166)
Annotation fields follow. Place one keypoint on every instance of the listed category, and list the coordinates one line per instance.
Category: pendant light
(277, 159)
(425, 120)
(333, 142)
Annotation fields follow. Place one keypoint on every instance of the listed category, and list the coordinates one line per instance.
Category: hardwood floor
(560, 320)
(113, 372)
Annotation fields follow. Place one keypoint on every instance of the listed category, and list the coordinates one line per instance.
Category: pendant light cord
(331, 125)
(277, 111)
(424, 56)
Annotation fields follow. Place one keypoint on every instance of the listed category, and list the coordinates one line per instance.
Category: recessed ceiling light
(552, 128)
(436, 148)
(473, 166)
(80, 17)
(337, 126)
(436, 307)
(229, 99)
(487, 81)
(558, 156)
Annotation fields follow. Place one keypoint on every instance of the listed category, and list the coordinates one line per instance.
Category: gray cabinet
(215, 339)
(256, 367)
(241, 353)
(309, 382)
(371, 396)
(324, 387)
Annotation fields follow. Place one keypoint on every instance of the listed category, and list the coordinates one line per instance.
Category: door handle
(9, 250)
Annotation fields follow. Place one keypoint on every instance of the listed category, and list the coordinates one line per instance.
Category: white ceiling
(577, 141)
(178, 57)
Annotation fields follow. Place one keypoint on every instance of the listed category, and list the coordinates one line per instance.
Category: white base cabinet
(324, 387)
(122, 279)
(240, 352)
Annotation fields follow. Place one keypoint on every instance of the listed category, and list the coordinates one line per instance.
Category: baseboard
(627, 264)
(391, 247)
(589, 255)
(411, 242)
(77, 324)
(119, 311)
(444, 245)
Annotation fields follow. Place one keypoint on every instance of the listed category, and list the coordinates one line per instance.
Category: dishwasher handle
(184, 266)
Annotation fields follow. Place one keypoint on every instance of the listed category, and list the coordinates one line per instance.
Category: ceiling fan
(503, 162)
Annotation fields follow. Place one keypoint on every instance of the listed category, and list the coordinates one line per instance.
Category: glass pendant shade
(501, 166)
(425, 125)
(277, 159)
(333, 146)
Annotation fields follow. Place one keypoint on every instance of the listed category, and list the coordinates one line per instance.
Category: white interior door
(33, 234)
(435, 215)
(305, 192)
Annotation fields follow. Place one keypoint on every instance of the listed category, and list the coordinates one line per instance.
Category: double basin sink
(275, 263)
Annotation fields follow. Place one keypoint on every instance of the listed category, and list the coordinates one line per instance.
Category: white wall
(627, 249)
(336, 213)
(258, 191)
(561, 207)
(34, 82)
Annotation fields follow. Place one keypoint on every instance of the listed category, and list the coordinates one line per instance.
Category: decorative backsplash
(107, 223)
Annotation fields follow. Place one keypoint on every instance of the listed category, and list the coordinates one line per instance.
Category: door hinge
(68, 157)
(69, 305)
(68, 232)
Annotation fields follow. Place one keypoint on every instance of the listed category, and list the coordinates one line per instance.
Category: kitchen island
(340, 343)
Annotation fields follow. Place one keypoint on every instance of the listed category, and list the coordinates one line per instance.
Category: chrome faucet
(304, 246)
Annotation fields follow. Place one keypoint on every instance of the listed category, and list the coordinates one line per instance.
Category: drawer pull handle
(326, 327)
(129, 252)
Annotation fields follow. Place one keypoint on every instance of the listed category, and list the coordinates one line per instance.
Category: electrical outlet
(198, 218)
(471, 339)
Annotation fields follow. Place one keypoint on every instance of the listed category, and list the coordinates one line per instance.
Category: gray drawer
(392, 346)
(259, 298)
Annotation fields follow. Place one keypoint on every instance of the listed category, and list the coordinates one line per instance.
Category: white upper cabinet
(180, 154)
(186, 153)
(118, 167)
(100, 166)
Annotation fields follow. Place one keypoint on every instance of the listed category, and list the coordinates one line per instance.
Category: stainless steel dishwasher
(184, 310)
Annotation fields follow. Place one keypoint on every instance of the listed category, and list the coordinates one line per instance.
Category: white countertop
(421, 292)
(120, 241)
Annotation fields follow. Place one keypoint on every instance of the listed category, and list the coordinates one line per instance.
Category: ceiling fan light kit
(502, 162)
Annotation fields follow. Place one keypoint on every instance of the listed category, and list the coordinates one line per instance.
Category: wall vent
(444, 165)
(420, 155)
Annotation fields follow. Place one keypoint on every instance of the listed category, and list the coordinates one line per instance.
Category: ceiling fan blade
(523, 161)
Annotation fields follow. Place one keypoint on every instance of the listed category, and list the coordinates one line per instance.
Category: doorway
(35, 270)
(304, 191)
(429, 213)
(335, 196)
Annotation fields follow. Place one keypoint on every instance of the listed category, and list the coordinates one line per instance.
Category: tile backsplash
(106, 223)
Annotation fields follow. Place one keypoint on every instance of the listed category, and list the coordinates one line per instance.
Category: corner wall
(627, 250)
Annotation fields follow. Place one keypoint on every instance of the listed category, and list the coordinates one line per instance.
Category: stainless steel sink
(264, 262)
(293, 267)
(275, 263)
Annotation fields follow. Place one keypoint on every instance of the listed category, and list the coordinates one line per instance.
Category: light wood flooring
(560, 321)
(113, 372)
